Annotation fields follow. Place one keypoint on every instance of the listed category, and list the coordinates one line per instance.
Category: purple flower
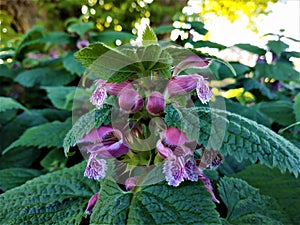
(187, 83)
(105, 142)
(92, 203)
(129, 100)
(100, 94)
(207, 185)
(82, 43)
(155, 103)
(131, 182)
(96, 168)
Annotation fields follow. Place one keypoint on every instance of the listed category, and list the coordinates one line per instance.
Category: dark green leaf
(45, 135)
(251, 83)
(189, 203)
(55, 198)
(279, 111)
(109, 37)
(44, 77)
(13, 177)
(209, 44)
(163, 29)
(245, 205)
(285, 188)
(103, 116)
(277, 46)
(224, 71)
(72, 65)
(54, 159)
(251, 48)
(198, 27)
(57, 38)
(296, 107)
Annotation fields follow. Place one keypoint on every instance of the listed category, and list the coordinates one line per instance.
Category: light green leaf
(45, 135)
(7, 103)
(72, 65)
(81, 28)
(58, 96)
(149, 37)
(285, 188)
(245, 205)
(13, 177)
(189, 203)
(243, 139)
(44, 77)
(90, 53)
(55, 198)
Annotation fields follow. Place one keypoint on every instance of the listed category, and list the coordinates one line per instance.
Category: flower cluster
(172, 146)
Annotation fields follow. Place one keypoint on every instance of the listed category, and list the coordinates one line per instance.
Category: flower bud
(155, 103)
(130, 101)
(92, 203)
(130, 183)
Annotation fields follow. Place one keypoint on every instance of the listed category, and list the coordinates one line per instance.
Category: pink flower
(207, 185)
(105, 142)
(92, 203)
(190, 62)
(82, 43)
(96, 168)
(155, 103)
(103, 88)
(129, 100)
(187, 83)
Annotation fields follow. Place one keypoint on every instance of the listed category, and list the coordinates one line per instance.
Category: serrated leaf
(55, 198)
(103, 116)
(283, 187)
(82, 126)
(189, 203)
(72, 65)
(58, 96)
(245, 139)
(45, 135)
(90, 53)
(7, 103)
(13, 177)
(251, 48)
(44, 77)
(149, 37)
(245, 205)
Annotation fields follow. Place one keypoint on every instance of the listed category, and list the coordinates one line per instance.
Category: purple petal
(96, 168)
(208, 186)
(130, 101)
(92, 203)
(192, 172)
(116, 88)
(131, 182)
(155, 103)
(174, 172)
(164, 151)
(174, 137)
(203, 91)
(182, 84)
(190, 61)
(82, 43)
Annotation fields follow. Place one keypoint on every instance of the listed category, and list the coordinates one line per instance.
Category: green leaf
(251, 48)
(80, 28)
(82, 126)
(9, 103)
(110, 37)
(55, 198)
(54, 159)
(45, 135)
(149, 37)
(72, 65)
(245, 205)
(13, 177)
(103, 116)
(163, 29)
(58, 96)
(277, 47)
(209, 44)
(251, 83)
(189, 203)
(296, 107)
(224, 71)
(57, 38)
(285, 188)
(90, 53)
(44, 77)
(198, 27)
(244, 139)
(278, 111)
(30, 41)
